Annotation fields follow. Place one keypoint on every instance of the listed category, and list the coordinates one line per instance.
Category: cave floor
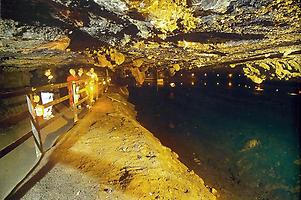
(109, 155)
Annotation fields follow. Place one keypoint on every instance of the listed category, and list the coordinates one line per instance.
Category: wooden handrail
(57, 101)
(4, 151)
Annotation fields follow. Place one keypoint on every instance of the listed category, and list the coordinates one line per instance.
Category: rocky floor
(109, 155)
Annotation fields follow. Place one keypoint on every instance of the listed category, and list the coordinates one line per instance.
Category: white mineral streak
(116, 6)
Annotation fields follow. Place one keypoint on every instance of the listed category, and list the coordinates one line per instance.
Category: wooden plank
(82, 100)
(82, 90)
(57, 101)
(35, 128)
(15, 144)
(50, 87)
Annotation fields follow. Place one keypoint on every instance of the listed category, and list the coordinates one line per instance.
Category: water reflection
(241, 138)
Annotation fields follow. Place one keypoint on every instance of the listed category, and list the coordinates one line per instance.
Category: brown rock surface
(125, 159)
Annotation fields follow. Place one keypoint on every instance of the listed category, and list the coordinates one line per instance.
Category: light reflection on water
(212, 130)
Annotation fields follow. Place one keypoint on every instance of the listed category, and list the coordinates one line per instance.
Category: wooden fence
(79, 93)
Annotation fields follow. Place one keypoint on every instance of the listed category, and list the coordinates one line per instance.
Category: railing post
(75, 100)
(96, 91)
(35, 127)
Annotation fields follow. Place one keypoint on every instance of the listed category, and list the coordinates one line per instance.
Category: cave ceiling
(259, 37)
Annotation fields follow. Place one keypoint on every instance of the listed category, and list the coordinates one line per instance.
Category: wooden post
(96, 90)
(74, 95)
(35, 127)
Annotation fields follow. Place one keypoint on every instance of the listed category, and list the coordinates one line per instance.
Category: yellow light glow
(246, 86)
(229, 84)
(258, 88)
(181, 74)
(230, 75)
(172, 85)
(192, 74)
(181, 83)
(205, 74)
(104, 82)
(192, 83)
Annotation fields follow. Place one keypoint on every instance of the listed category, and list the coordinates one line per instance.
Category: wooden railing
(37, 123)
(80, 88)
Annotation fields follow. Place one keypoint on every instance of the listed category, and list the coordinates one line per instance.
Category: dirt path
(109, 155)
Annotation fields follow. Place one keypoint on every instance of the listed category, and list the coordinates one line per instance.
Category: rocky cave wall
(262, 38)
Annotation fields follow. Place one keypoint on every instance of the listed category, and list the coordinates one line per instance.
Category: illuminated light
(249, 87)
(172, 85)
(246, 86)
(217, 83)
(229, 84)
(205, 74)
(230, 75)
(104, 82)
(292, 94)
(258, 88)
(238, 85)
(239, 75)
(192, 83)
(205, 84)
(181, 83)
(148, 84)
(277, 90)
(181, 74)
(127, 75)
(192, 74)
(217, 75)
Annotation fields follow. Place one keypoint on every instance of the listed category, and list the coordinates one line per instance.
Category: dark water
(212, 129)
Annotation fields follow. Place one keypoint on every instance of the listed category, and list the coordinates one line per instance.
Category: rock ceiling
(259, 37)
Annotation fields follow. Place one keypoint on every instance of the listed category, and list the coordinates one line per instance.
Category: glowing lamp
(258, 88)
(229, 84)
(172, 85)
